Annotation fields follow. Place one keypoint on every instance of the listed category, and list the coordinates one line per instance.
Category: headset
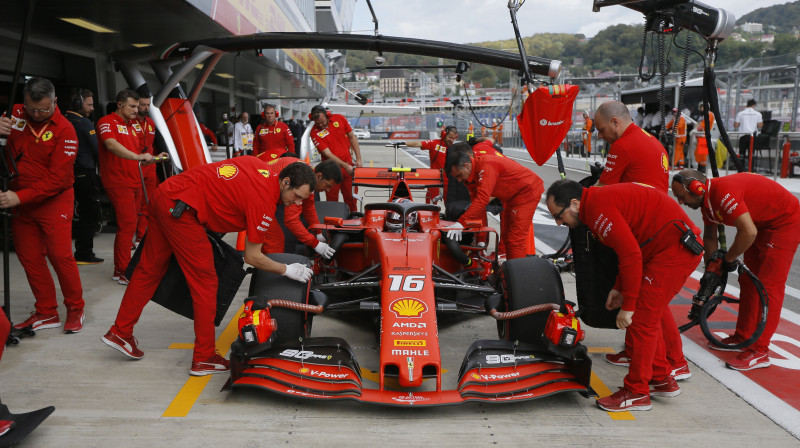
(692, 185)
(270, 106)
(319, 108)
(76, 102)
(448, 130)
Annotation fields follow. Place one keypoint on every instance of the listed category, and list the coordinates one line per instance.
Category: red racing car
(395, 263)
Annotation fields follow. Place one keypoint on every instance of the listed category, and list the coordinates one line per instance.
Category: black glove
(596, 169)
(472, 141)
(730, 266)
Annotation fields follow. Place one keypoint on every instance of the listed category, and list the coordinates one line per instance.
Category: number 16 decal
(406, 282)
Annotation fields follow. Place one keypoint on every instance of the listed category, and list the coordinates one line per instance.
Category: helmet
(394, 220)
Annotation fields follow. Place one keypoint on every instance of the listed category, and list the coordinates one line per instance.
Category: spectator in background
(120, 152)
(243, 136)
(42, 197)
(638, 119)
(86, 186)
(586, 132)
(225, 131)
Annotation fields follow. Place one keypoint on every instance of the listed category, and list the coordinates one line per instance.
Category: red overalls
(229, 196)
(437, 152)
(44, 154)
(334, 137)
(776, 214)
(518, 188)
(273, 140)
(634, 220)
(122, 183)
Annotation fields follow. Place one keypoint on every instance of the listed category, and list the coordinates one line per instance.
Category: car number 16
(411, 282)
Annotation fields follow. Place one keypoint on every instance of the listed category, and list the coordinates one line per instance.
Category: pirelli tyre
(292, 325)
(596, 269)
(526, 282)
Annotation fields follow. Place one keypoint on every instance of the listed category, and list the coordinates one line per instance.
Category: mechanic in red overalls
(437, 153)
(644, 227)
(146, 129)
(120, 151)
(327, 175)
(230, 196)
(634, 155)
(518, 188)
(333, 137)
(43, 144)
(767, 221)
(273, 137)
(637, 156)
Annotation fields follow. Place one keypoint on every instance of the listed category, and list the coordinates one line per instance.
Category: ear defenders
(448, 130)
(76, 102)
(270, 106)
(691, 184)
(318, 108)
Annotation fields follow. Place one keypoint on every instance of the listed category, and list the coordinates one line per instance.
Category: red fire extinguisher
(787, 146)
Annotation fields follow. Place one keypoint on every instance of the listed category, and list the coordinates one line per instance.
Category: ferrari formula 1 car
(395, 263)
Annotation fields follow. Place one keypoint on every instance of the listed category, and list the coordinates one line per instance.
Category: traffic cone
(240, 239)
(531, 245)
(307, 159)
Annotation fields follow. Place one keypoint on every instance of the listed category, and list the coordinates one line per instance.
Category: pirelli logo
(409, 343)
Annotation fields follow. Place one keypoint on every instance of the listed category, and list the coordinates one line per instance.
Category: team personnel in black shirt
(86, 181)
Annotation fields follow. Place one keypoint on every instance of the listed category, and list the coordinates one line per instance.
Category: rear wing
(389, 177)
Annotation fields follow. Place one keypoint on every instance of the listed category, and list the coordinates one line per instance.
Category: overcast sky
(467, 21)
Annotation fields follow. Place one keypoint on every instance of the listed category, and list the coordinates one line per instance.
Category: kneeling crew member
(767, 221)
(327, 175)
(518, 188)
(644, 227)
(218, 197)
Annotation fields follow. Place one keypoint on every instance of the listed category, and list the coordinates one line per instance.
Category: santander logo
(544, 122)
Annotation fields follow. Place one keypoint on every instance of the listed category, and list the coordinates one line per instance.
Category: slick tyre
(292, 325)
(526, 282)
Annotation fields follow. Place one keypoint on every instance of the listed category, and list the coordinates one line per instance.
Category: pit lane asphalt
(104, 400)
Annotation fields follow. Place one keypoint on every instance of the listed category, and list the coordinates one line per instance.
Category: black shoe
(92, 259)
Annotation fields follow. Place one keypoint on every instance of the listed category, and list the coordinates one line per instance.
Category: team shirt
(771, 207)
(502, 178)
(334, 137)
(273, 140)
(44, 153)
(116, 172)
(625, 216)
(637, 156)
(230, 196)
(437, 152)
(292, 213)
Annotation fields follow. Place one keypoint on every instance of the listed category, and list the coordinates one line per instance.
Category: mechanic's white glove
(325, 250)
(299, 272)
(454, 231)
(321, 237)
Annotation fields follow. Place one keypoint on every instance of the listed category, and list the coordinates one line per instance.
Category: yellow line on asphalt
(601, 350)
(194, 386)
(603, 391)
(181, 345)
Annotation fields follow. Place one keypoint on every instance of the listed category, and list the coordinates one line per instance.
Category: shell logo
(475, 376)
(408, 307)
(665, 163)
(227, 171)
(305, 370)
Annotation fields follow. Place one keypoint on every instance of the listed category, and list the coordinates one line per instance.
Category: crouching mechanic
(217, 197)
(518, 188)
(327, 175)
(767, 221)
(644, 227)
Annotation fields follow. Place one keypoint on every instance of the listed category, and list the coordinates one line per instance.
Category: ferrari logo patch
(264, 173)
(227, 171)
(336, 124)
(277, 130)
(665, 163)
(408, 307)
(47, 135)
